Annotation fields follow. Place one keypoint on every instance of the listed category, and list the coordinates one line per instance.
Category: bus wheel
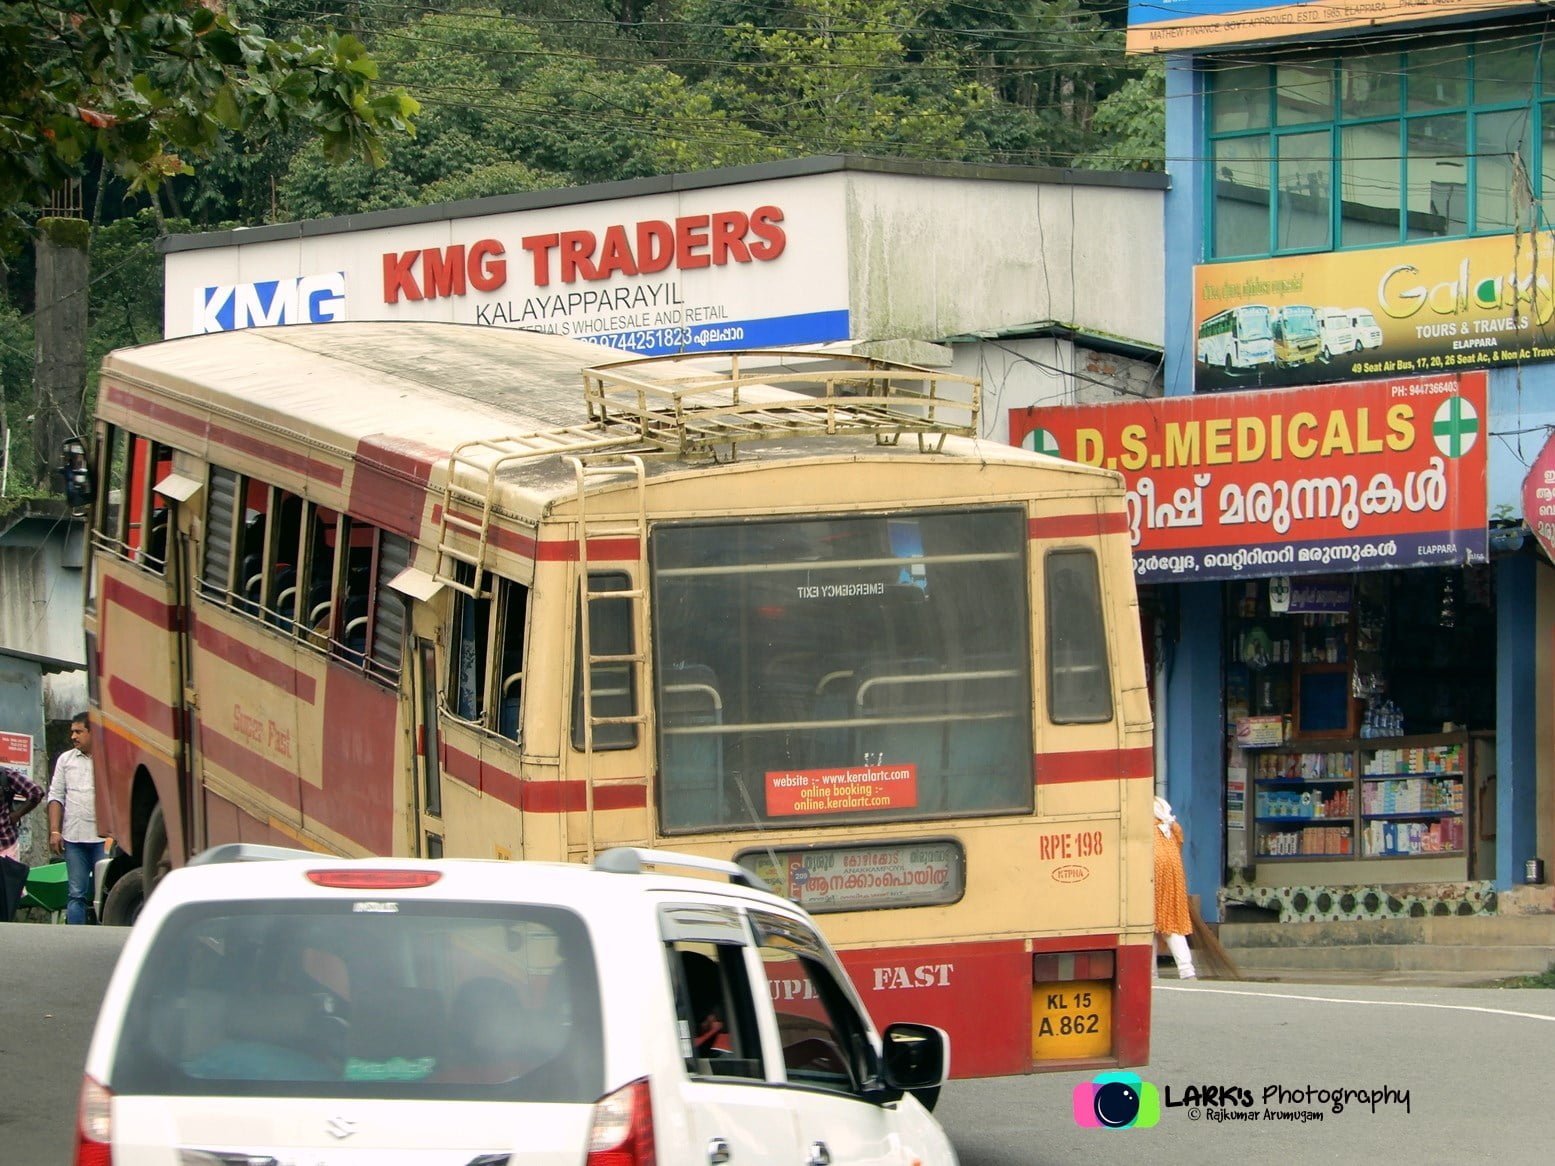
(155, 859)
(122, 907)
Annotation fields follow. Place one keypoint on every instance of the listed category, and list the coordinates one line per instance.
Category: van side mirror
(77, 474)
(916, 1059)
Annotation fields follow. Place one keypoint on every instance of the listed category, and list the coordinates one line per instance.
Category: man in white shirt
(73, 818)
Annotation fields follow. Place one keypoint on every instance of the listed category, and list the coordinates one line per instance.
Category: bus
(1297, 339)
(1237, 339)
(436, 589)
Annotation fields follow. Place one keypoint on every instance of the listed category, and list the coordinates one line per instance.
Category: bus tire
(155, 859)
(122, 906)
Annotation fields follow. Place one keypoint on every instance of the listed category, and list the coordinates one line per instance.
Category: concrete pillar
(1195, 737)
(1517, 767)
(59, 327)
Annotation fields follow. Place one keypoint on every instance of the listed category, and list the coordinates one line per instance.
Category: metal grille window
(220, 517)
(388, 631)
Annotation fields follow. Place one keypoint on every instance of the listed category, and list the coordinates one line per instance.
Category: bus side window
(467, 652)
(1079, 678)
(386, 634)
(514, 608)
(221, 512)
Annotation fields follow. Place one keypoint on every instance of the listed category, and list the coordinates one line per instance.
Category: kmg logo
(300, 299)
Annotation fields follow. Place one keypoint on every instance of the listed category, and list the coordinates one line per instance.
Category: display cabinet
(1349, 798)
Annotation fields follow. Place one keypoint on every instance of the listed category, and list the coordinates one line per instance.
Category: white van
(1364, 324)
(319, 1010)
(1333, 325)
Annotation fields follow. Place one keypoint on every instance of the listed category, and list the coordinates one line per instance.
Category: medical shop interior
(1360, 747)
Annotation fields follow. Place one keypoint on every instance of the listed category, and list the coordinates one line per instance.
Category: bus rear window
(847, 668)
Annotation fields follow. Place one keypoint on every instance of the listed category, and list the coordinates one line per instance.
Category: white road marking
(1346, 1000)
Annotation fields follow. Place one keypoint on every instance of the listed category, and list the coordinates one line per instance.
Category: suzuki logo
(340, 1127)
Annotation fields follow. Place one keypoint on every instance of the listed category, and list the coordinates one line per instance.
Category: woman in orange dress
(1172, 917)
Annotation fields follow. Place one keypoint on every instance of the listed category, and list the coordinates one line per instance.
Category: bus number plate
(1071, 1020)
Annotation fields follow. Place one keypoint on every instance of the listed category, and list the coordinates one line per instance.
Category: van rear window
(431, 1001)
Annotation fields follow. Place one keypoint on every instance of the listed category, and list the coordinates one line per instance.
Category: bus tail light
(621, 1133)
(94, 1125)
(1056, 967)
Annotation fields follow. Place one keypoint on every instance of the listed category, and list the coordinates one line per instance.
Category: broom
(1216, 961)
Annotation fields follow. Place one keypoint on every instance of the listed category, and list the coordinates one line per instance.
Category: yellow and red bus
(431, 589)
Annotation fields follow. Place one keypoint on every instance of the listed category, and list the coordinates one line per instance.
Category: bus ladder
(594, 473)
(484, 459)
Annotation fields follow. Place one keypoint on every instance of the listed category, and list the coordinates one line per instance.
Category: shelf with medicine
(1413, 800)
(1359, 798)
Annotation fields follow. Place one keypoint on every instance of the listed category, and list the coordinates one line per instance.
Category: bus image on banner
(1237, 338)
(436, 589)
(1297, 339)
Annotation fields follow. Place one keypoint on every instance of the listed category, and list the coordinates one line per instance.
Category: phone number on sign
(654, 338)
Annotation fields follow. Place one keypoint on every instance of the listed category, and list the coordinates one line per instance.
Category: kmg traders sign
(1359, 476)
(747, 266)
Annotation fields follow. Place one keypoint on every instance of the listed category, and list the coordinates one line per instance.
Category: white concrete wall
(1042, 371)
(40, 597)
(937, 257)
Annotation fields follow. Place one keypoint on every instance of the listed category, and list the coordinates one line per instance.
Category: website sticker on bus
(852, 788)
(1360, 476)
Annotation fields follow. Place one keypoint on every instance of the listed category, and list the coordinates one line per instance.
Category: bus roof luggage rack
(632, 859)
(690, 403)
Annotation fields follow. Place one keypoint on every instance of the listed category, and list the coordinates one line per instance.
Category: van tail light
(621, 1133)
(388, 879)
(94, 1125)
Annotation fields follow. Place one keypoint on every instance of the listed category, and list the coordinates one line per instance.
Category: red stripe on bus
(1077, 525)
(1093, 765)
(539, 797)
(359, 760)
(389, 487)
(618, 550)
(231, 438)
(155, 611)
(250, 765)
(140, 705)
(501, 537)
(255, 662)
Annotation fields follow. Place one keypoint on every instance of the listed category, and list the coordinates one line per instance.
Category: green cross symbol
(1455, 427)
(1043, 441)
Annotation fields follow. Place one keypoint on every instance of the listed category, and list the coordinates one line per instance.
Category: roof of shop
(666, 184)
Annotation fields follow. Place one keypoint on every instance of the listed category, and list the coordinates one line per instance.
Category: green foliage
(149, 84)
(1132, 123)
(16, 363)
(1544, 979)
(126, 289)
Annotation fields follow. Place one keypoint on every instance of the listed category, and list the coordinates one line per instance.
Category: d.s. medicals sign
(1359, 476)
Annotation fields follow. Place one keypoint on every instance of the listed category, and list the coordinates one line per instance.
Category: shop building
(1011, 274)
(1338, 504)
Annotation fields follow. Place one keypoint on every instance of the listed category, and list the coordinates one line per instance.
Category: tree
(149, 84)
(1131, 124)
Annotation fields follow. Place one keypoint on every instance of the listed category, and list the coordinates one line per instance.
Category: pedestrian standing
(1173, 918)
(18, 795)
(73, 818)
